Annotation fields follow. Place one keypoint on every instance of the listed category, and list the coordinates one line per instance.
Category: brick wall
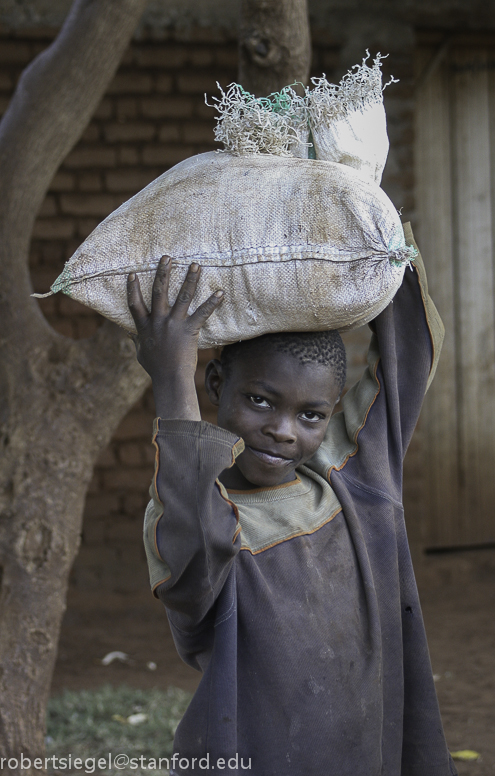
(152, 116)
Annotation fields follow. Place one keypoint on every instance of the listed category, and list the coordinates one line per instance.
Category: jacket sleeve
(191, 529)
(380, 412)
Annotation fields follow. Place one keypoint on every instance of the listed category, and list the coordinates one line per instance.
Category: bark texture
(274, 44)
(60, 399)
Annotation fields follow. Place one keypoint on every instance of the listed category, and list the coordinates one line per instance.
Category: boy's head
(277, 392)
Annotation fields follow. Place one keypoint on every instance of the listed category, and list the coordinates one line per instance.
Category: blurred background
(440, 174)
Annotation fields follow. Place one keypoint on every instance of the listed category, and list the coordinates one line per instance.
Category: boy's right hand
(167, 339)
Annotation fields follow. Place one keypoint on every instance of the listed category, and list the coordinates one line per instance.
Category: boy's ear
(214, 380)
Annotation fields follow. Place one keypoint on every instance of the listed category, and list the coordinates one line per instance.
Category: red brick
(35, 255)
(52, 252)
(128, 155)
(127, 479)
(166, 107)
(107, 458)
(101, 505)
(199, 132)
(67, 329)
(38, 32)
(164, 83)
(120, 199)
(129, 56)
(89, 181)
(100, 156)
(6, 83)
(130, 454)
(48, 306)
(71, 246)
(201, 57)
(131, 180)
(104, 110)
(86, 327)
(126, 108)
(122, 530)
(204, 356)
(197, 83)
(148, 402)
(131, 83)
(93, 557)
(204, 148)
(204, 111)
(63, 181)
(49, 207)
(53, 228)
(15, 52)
(87, 204)
(129, 132)
(208, 413)
(93, 533)
(149, 454)
(166, 154)
(70, 308)
(129, 555)
(42, 278)
(207, 35)
(168, 133)
(330, 59)
(136, 425)
(226, 57)
(161, 56)
(86, 225)
(91, 134)
(135, 503)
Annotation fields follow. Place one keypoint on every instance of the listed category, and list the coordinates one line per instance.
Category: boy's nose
(281, 429)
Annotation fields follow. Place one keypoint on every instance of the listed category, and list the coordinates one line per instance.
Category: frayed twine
(360, 86)
(403, 255)
(259, 125)
(273, 124)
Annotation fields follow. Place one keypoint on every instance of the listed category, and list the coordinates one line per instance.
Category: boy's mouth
(270, 458)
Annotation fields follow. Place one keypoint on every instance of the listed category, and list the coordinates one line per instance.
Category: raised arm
(382, 409)
(191, 528)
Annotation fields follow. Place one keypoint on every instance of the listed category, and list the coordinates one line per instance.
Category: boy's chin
(260, 477)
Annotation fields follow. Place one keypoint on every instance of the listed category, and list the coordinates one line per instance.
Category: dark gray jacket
(298, 603)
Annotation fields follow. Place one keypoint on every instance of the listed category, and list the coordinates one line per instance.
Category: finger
(159, 295)
(187, 291)
(201, 315)
(135, 301)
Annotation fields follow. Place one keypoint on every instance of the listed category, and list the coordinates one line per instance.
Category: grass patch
(90, 724)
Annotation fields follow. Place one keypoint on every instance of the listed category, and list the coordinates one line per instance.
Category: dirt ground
(459, 611)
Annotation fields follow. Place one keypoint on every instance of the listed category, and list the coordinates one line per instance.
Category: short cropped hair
(309, 347)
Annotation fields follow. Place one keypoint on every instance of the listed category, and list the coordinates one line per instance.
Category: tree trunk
(61, 399)
(274, 44)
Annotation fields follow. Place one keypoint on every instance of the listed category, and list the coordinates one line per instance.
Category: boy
(277, 543)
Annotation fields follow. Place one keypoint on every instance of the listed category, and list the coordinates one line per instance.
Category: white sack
(348, 121)
(344, 122)
(296, 244)
(358, 139)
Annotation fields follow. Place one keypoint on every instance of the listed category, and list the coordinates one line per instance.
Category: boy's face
(280, 408)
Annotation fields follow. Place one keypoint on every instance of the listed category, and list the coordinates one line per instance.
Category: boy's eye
(259, 401)
(313, 417)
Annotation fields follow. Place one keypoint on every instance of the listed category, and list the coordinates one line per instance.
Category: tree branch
(55, 99)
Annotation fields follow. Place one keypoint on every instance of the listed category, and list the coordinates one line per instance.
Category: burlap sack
(296, 244)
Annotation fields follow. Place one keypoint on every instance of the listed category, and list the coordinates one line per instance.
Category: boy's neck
(234, 479)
